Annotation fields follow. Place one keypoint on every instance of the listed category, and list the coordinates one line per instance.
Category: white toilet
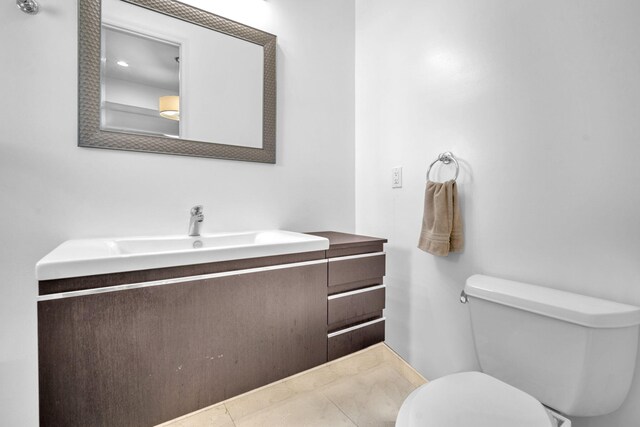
(536, 346)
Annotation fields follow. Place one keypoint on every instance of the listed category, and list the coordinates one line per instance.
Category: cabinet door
(142, 356)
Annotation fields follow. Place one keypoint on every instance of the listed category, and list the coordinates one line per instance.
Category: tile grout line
(339, 409)
(233, 421)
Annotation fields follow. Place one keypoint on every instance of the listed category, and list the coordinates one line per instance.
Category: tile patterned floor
(363, 389)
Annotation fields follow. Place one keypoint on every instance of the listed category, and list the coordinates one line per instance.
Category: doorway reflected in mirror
(140, 83)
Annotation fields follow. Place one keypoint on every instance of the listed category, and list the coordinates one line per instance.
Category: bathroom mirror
(164, 77)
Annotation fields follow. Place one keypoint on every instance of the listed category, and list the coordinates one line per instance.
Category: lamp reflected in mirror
(169, 107)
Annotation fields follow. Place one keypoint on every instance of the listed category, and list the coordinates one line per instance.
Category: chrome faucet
(197, 217)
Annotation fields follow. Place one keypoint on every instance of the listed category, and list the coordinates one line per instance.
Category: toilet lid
(471, 399)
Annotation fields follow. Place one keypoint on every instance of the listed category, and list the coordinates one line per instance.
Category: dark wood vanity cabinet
(140, 348)
(142, 356)
(355, 292)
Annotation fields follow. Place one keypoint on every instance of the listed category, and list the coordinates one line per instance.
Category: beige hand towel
(441, 224)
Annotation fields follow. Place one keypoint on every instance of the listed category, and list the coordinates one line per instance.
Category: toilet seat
(471, 399)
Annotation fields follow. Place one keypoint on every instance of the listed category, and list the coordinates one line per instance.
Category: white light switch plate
(396, 177)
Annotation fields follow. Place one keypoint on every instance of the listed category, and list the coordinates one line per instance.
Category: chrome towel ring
(446, 158)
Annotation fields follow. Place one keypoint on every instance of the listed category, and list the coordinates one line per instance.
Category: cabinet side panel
(147, 355)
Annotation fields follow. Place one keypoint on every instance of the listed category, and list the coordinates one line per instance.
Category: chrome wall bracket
(463, 297)
(28, 6)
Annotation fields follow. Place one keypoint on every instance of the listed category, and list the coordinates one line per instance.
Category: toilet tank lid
(579, 309)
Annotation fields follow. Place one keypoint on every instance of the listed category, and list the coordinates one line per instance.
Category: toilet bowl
(474, 399)
(539, 348)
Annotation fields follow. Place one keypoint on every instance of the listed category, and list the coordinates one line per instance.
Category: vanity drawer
(357, 270)
(349, 340)
(355, 304)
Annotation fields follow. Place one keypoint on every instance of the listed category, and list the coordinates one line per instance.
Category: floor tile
(372, 397)
(313, 379)
(403, 368)
(258, 400)
(309, 409)
(214, 416)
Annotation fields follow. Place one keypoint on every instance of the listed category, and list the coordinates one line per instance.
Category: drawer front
(356, 268)
(355, 338)
(333, 253)
(355, 304)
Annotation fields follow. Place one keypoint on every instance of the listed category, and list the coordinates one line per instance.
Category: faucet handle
(197, 210)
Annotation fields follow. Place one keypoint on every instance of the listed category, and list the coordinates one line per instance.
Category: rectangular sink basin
(88, 257)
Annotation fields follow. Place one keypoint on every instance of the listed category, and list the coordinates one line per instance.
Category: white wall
(540, 101)
(51, 190)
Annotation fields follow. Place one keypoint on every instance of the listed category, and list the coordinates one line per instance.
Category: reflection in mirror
(215, 88)
(161, 76)
(140, 84)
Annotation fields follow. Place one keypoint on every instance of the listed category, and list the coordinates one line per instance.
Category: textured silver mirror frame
(89, 132)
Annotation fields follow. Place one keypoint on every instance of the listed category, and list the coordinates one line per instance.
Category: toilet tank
(574, 353)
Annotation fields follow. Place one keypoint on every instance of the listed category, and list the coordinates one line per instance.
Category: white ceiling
(151, 62)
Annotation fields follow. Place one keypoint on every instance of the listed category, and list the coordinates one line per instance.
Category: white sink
(89, 257)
